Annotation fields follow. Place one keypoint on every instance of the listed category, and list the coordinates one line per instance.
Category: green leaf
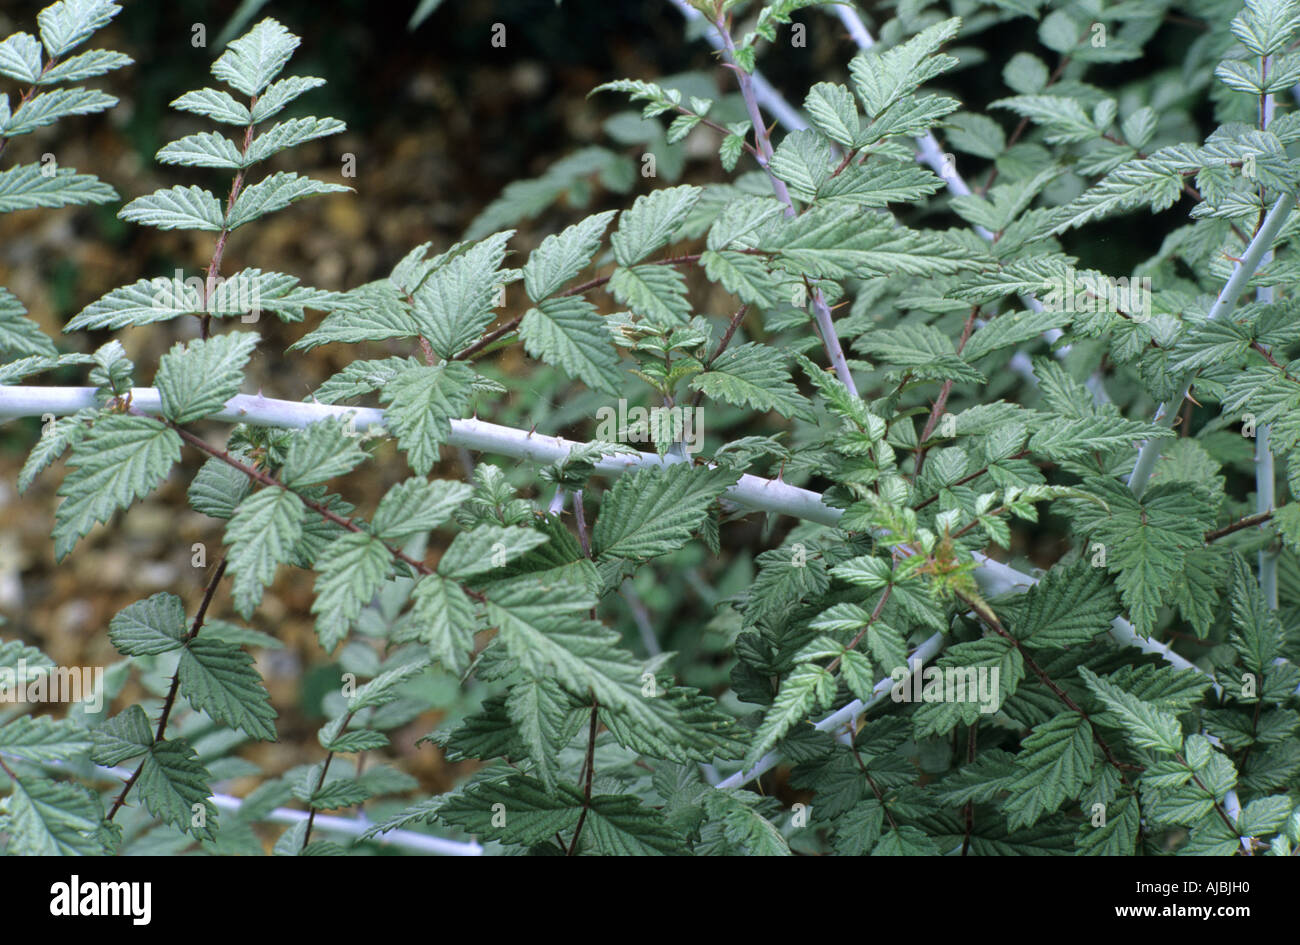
(122, 458)
(41, 738)
(571, 334)
(216, 104)
(1117, 836)
(1070, 606)
(486, 548)
(289, 134)
(753, 375)
(839, 241)
(1055, 762)
(653, 511)
(55, 438)
(883, 78)
(69, 23)
(651, 222)
(544, 715)
(562, 256)
(417, 505)
(174, 786)
(547, 630)
(421, 404)
(261, 535)
(124, 736)
(522, 811)
(808, 688)
(250, 63)
(176, 208)
(743, 825)
(37, 185)
(220, 679)
(84, 66)
(1145, 725)
(454, 304)
(350, 573)
(20, 58)
(149, 627)
(274, 192)
(921, 348)
(196, 379)
(443, 618)
(48, 107)
(206, 149)
(218, 488)
(52, 818)
(279, 94)
(743, 275)
(655, 292)
(833, 110)
(323, 450)
(20, 336)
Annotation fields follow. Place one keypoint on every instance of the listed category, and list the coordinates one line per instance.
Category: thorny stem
(970, 805)
(941, 401)
(875, 615)
(508, 326)
(170, 702)
(990, 620)
(1237, 526)
(590, 767)
(49, 64)
(320, 783)
(875, 788)
(214, 267)
(736, 319)
(821, 312)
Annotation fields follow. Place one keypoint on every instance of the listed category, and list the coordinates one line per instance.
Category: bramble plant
(826, 465)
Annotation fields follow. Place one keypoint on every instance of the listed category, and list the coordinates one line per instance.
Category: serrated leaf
(176, 208)
(288, 134)
(485, 548)
(571, 334)
(37, 185)
(41, 738)
(653, 511)
(250, 63)
(196, 379)
(274, 192)
(261, 535)
(562, 256)
(443, 618)
(52, 818)
(421, 403)
(149, 627)
(126, 735)
(753, 375)
(122, 458)
(651, 222)
(220, 679)
(324, 449)
(417, 505)
(349, 574)
(172, 783)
